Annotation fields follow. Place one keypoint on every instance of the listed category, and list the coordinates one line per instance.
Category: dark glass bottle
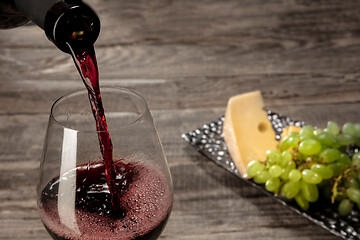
(64, 21)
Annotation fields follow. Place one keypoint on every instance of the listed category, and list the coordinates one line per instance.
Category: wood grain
(193, 92)
(187, 58)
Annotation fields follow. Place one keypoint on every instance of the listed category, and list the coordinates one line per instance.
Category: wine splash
(85, 61)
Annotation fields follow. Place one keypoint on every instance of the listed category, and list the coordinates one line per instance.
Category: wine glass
(73, 195)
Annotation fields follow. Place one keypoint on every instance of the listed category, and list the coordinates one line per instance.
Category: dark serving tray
(208, 140)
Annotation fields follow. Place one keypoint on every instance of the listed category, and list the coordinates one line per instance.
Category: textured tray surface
(208, 140)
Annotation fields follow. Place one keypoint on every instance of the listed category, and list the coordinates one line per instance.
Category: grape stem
(335, 189)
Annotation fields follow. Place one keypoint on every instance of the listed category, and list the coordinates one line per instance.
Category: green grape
(290, 189)
(310, 191)
(294, 141)
(349, 128)
(311, 177)
(317, 132)
(337, 168)
(273, 156)
(295, 175)
(344, 139)
(284, 144)
(262, 176)
(333, 128)
(286, 172)
(356, 159)
(301, 201)
(324, 171)
(310, 147)
(253, 167)
(305, 137)
(352, 182)
(340, 197)
(307, 130)
(345, 159)
(273, 184)
(275, 170)
(286, 157)
(353, 174)
(345, 207)
(293, 134)
(357, 130)
(330, 155)
(326, 138)
(353, 194)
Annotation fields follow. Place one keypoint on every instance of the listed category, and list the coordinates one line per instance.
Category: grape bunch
(312, 162)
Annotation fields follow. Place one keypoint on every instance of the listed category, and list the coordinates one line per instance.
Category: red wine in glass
(146, 214)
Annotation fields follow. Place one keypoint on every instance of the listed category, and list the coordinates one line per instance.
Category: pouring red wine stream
(85, 61)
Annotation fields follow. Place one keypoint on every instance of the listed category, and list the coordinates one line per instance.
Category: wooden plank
(296, 23)
(168, 39)
(33, 96)
(182, 60)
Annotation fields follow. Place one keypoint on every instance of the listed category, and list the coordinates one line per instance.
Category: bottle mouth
(76, 25)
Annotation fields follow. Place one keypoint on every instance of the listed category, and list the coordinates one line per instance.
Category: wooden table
(187, 58)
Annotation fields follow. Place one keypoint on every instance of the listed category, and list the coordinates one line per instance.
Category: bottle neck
(74, 23)
(64, 22)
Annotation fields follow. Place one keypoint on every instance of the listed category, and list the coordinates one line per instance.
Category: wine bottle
(64, 21)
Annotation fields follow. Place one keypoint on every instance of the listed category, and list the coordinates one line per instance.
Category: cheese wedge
(247, 131)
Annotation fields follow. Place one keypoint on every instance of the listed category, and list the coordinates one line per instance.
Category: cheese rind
(247, 131)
